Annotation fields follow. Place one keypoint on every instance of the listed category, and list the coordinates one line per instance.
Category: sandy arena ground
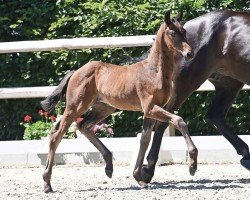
(227, 181)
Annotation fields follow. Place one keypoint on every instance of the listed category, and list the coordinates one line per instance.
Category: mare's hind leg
(148, 125)
(226, 92)
(99, 112)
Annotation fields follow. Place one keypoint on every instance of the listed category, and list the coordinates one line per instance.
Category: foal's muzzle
(188, 55)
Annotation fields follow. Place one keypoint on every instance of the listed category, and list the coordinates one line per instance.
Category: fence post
(170, 131)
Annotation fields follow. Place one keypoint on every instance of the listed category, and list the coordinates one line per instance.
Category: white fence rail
(76, 43)
(40, 92)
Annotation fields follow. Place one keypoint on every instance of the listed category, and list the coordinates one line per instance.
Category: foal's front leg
(162, 115)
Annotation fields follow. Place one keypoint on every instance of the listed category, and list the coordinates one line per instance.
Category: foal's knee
(85, 126)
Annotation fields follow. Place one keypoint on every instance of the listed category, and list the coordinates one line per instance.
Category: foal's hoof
(192, 170)
(137, 176)
(48, 189)
(245, 163)
(146, 176)
(143, 185)
(109, 172)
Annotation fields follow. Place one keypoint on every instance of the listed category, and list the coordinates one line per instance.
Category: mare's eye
(183, 31)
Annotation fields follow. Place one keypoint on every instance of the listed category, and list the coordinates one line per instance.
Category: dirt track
(170, 182)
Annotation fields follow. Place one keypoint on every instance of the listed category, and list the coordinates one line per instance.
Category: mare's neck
(160, 58)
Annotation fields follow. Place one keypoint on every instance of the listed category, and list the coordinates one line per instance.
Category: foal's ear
(179, 16)
(167, 18)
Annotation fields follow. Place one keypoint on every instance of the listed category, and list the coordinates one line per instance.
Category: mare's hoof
(109, 173)
(192, 170)
(48, 189)
(146, 176)
(143, 185)
(245, 163)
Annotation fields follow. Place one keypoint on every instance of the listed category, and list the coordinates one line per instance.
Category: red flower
(46, 114)
(79, 120)
(40, 112)
(27, 118)
(53, 118)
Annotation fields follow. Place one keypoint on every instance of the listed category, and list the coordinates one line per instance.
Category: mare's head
(175, 36)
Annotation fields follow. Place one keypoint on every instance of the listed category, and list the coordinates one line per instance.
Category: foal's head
(175, 36)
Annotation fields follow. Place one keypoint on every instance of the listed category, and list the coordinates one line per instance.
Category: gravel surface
(227, 181)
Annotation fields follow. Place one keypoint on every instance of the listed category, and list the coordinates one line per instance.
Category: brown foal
(144, 86)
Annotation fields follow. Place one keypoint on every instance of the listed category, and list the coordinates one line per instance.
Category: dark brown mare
(145, 86)
(220, 41)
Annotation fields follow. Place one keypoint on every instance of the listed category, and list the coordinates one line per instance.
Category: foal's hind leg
(226, 92)
(99, 112)
(162, 115)
(148, 125)
(56, 137)
(72, 111)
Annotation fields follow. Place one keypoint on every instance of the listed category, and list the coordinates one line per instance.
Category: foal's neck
(160, 58)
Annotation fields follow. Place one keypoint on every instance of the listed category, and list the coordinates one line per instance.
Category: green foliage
(37, 20)
(37, 130)
(126, 124)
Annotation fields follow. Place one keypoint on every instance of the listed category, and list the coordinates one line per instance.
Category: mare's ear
(179, 16)
(167, 18)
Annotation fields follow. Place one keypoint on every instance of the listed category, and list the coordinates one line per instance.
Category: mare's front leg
(99, 112)
(226, 92)
(148, 125)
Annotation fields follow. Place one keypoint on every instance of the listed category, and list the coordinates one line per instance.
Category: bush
(38, 20)
(39, 129)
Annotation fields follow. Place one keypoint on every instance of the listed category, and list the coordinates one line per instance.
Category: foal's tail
(50, 102)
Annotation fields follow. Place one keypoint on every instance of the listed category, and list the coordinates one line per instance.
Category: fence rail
(75, 43)
(40, 92)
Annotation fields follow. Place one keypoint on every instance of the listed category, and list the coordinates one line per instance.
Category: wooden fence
(76, 43)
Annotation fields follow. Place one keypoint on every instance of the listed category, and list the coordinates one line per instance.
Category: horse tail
(50, 102)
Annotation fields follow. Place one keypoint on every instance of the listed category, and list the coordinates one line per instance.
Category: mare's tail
(50, 102)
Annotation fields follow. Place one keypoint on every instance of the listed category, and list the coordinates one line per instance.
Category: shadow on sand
(203, 184)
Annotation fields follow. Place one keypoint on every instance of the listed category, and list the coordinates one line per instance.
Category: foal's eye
(172, 33)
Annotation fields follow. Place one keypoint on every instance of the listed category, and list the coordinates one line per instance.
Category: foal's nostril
(190, 54)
